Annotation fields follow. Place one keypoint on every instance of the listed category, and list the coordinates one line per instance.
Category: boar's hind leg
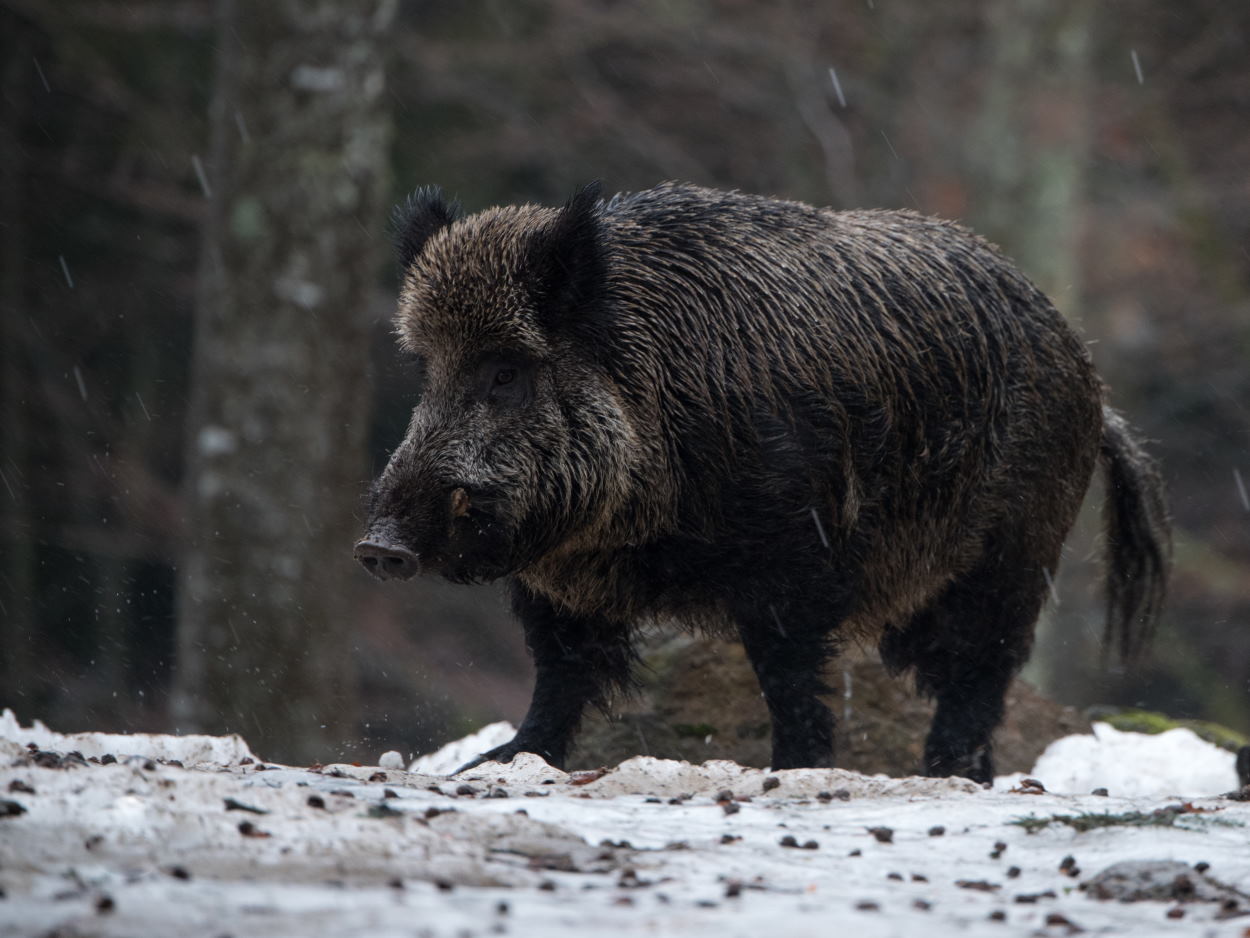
(966, 648)
(579, 661)
(788, 649)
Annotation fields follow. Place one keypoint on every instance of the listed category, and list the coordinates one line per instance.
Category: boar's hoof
(385, 560)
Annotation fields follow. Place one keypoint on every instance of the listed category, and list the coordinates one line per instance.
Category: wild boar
(750, 415)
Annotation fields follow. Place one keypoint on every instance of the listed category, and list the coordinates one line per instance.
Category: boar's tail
(1139, 539)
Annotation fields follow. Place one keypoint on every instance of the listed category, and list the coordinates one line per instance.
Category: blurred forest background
(197, 374)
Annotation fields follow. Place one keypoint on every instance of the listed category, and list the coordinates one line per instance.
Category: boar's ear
(416, 218)
(569, 261)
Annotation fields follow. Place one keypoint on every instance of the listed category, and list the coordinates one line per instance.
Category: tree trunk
(295, 178)
(17, 542)
(1031, 144)
(1029, 154)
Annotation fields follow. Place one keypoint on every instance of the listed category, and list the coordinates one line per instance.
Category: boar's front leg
(788, 648)
(579, 660)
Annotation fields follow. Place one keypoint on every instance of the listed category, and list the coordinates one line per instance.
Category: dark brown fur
(754, 415)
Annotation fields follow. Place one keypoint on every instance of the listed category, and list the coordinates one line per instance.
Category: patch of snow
(190, 749)
(1176, 762)
(456, 753)
(651, 847)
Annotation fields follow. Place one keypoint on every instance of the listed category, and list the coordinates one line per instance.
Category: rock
(1160, 881)
(700, 701)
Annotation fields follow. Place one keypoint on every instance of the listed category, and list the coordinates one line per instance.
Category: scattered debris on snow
(189, 750)
(194, 836)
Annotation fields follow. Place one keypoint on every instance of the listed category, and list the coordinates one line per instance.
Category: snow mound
(191, 749)
(457, 752)
(1134, 765)
(666, 778)
(1176, 762)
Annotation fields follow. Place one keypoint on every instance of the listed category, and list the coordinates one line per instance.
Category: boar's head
(519, 440)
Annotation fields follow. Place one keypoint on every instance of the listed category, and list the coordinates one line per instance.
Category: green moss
(1147, 721)
(1032, 824)
(1162, 817)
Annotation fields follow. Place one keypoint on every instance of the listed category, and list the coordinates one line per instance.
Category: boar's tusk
(459, 503)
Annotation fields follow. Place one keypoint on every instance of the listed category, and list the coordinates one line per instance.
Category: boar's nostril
(385, 560)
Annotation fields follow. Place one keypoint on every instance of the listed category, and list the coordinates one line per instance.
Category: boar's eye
(505, 381)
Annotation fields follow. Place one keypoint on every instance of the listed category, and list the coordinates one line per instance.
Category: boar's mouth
(470, 543)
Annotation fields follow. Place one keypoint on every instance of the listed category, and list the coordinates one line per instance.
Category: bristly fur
(757, 416)
(418, 217)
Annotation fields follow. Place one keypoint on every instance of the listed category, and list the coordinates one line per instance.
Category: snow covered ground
(157, 836)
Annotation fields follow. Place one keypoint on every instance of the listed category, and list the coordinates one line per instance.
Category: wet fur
(758, 416)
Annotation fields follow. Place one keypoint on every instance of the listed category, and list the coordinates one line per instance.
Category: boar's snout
(385, 559)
